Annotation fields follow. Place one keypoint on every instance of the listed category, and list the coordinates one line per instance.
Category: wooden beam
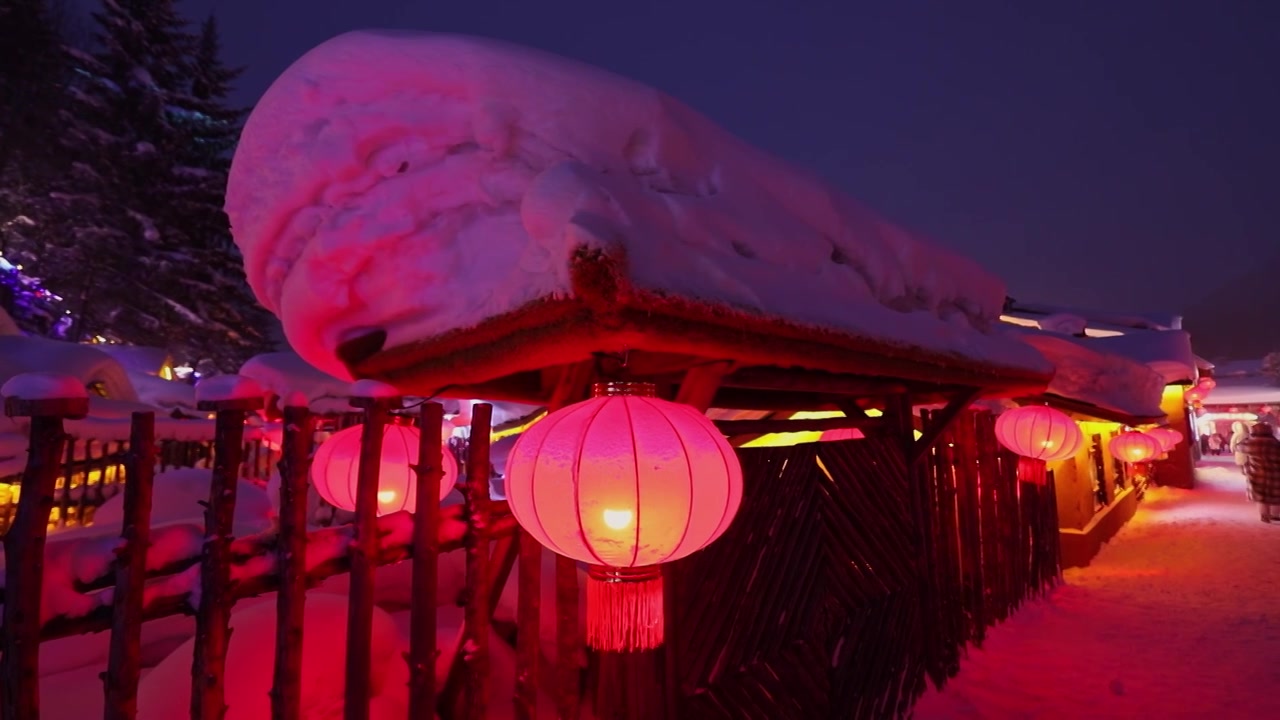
(701, 382)
(762, 427)
(816, 381)
(850, 407)
(940, 421)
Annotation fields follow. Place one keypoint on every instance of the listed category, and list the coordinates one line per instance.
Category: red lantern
(1039, 432)
(335, 469)
(1167, 437)
(1194, 396)
(623, 482)
(1133, 446)
(1207, 384)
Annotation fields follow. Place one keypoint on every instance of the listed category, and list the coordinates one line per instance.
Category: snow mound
(164, 694)
(220, 388)
(284, 373)
(43, 386)
(374, 389)
(1087, 373)
(177, 498)
(419, 183)
(20, 354)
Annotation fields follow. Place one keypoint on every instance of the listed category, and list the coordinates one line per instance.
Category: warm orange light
(1039, 432)
(335, 470)
(618, 519)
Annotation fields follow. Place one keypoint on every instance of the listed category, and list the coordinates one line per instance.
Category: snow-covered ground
(1178, 617)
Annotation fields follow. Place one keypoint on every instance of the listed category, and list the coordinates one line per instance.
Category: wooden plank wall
(810, 605)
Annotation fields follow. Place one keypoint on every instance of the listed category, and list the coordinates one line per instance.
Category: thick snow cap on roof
(1087, 373)
(19, 354)
(421, 184)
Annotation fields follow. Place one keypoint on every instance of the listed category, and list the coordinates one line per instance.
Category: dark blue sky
(1118, 153)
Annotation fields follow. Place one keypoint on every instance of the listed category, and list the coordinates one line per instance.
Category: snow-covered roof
(1167, 352)
(432, 186)
(19, 354)
(1119, 386)
(1243, 390)
(285, 372)
(138, 358)
(1102, 318)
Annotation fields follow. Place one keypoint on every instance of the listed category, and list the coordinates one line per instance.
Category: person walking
(1262, 470)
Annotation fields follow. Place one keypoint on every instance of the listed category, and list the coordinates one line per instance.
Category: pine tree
(214, 129)
(32, 86)
(148, 259)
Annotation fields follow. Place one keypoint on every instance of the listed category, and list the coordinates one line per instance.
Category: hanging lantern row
(1167, 437)
(335, 469)
(624, 482)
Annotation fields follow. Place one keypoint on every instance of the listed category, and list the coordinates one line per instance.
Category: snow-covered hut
(448, 213)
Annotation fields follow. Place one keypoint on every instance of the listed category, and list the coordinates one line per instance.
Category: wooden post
(364, 557)
(291, 565)
(528, 626)
(426, 557)
(24, 552)
(213, 616)
(476, 644)
(572, 387)
(124, 665)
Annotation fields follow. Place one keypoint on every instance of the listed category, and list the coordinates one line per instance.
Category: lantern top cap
(618, 388)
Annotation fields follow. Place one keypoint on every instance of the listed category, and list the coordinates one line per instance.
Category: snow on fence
(118, 584)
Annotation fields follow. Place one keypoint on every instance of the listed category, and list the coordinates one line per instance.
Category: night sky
(1100, 153)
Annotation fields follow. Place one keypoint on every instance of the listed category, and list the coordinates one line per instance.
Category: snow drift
(419, 183)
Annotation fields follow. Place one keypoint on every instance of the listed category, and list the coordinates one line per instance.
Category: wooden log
(124, 664)
(291, 566)
(213, 616)
(476, 647)
(24, 553)
(528, 626)
(364, 554)
(698, 390)
(426, 556)
(568, 640)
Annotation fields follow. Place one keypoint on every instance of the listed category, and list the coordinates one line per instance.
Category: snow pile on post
(417, 184)
(43, 386)
(220, 388)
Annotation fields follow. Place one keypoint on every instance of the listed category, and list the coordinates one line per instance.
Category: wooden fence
(92, 470)
(824, 599)
(851, 576)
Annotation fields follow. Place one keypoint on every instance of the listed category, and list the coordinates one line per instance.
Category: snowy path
(1178, 617)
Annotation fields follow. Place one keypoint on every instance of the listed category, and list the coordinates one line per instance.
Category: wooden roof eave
(1079, 407)
(503, 357)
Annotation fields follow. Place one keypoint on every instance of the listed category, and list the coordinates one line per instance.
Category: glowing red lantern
(1194, 396)
(1206, 384)
(1133, 446)
(1039, 432)
(1167, 437)
(335, 469)
(622, 482)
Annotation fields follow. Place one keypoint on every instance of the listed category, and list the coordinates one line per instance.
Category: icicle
(624, 608)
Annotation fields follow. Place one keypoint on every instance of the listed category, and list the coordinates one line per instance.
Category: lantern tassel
(1032, 471)
(624, 608)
